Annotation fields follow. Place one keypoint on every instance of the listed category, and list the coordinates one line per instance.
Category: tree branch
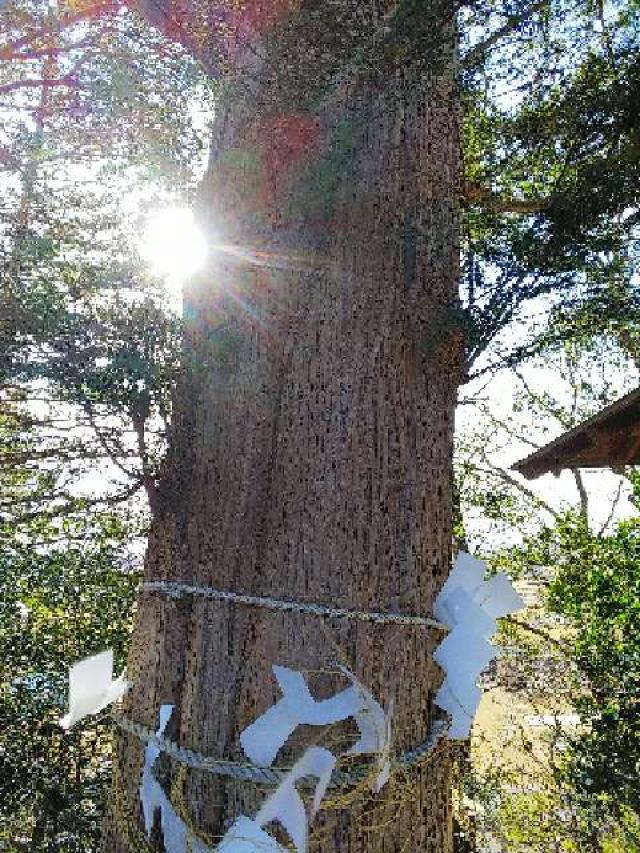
(582, 491)
(477, 53)
(47, 50)
(474, 194)
(525, 490)
(32, 83)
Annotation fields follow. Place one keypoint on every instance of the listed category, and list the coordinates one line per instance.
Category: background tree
(88, 355)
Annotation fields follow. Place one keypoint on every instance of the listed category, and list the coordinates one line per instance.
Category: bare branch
(478, 53)
(482, 196)
(67, 81)
(582, 491)
(47, 50)
(614, 506)
(488, 468)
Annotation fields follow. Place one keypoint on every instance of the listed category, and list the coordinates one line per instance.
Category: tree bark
(311, 450)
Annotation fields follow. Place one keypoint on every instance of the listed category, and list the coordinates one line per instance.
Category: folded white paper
(461, 708)
(285, 806)
(246, 836)
(370, 718)
(375, 730)
(468, 573)
(175, 833)
(466, 703)
(464, 653)
(92, 688)
(262, 740)
(498, 597)
(384, 757)
(458, 607)
(469, 606)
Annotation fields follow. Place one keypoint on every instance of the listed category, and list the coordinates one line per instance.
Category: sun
(173, 246)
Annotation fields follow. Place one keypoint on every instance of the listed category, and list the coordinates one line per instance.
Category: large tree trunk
(311, 454)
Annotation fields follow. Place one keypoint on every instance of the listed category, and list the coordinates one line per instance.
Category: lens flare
(173, 245)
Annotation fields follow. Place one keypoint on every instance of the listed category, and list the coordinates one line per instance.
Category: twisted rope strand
(273, 775)
(175, 589)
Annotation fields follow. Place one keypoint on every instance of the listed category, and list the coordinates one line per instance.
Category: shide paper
(467, 573)
(498, 597)
(469, 606)
(461, 714)
(92, 687)
(175, 833)
(384, 755)
(459, 606)
(375, 731)
(285, 806)
(246, 836)
(262, 740)
(464, 653)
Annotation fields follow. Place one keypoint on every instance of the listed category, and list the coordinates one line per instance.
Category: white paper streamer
(459, 607)
(92, 688)
(384, 758)
(468, 573)
(375, 731)
(175, 833)
(462, 710)
(285, 806)
(246, 836)
(498, 597)
(464, 653)
(262, 740)
(469, 606)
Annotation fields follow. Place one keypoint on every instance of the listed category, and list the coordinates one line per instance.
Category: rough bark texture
(311, 455)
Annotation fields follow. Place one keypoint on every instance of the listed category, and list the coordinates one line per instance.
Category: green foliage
(552, 167)
(598, 587)
(576, 649)
(88, 355)
(59, 604)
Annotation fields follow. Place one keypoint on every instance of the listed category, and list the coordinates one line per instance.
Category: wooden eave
(609, 439)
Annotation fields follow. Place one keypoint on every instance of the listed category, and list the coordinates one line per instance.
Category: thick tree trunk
(311, 456)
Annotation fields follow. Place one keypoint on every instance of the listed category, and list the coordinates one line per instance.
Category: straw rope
(176, 589)
(248, 772)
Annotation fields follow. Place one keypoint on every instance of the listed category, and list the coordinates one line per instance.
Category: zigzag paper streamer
(263, 739)
(175, 833)
(246, 836)
(469, 606)
(375, 731)
(285, 806)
